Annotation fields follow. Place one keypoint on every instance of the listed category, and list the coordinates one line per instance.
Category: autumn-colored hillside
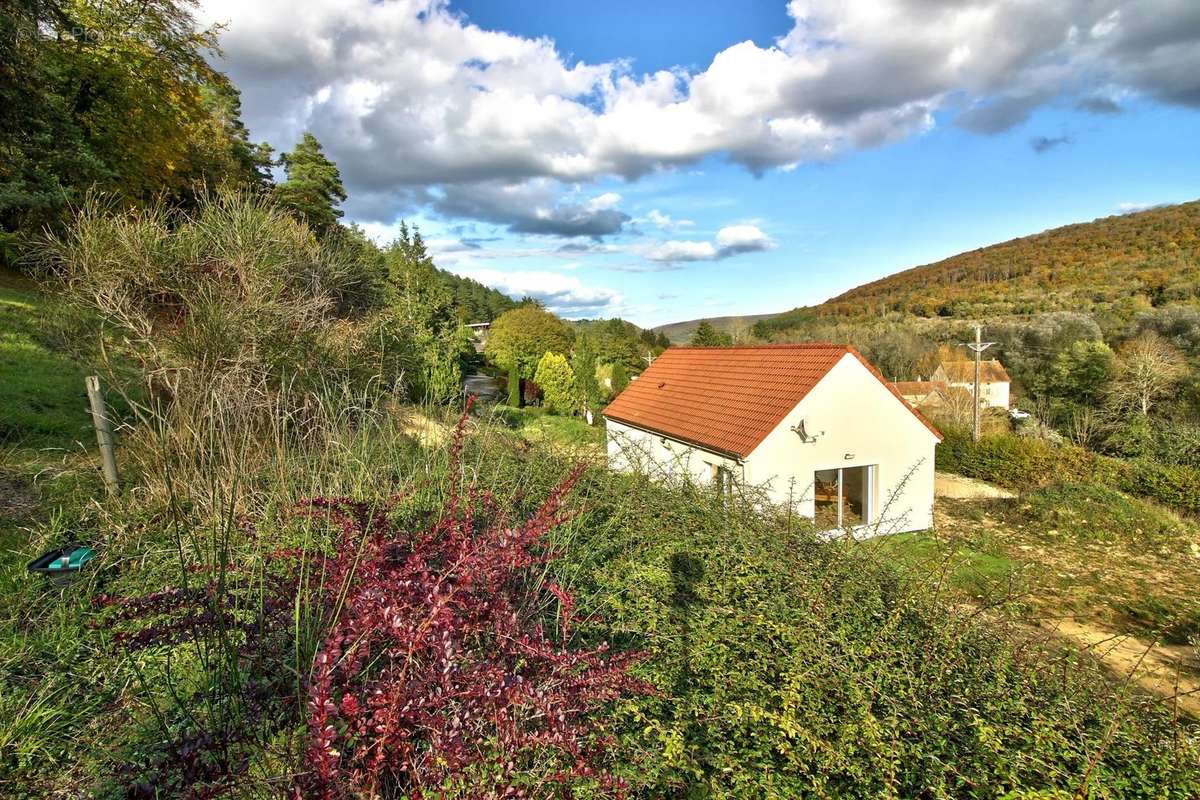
(1115, 265)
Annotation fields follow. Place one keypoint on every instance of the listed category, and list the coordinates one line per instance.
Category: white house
(812, 425)
(994, 382)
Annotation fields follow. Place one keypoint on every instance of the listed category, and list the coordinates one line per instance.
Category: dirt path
(1168, 671)
(956, 487)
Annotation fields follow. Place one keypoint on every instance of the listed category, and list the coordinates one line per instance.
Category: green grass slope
(43, 402)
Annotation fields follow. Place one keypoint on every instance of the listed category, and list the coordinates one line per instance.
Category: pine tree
(708, 336)
(313, 188)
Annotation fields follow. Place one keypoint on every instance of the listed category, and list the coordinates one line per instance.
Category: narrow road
(484, 387)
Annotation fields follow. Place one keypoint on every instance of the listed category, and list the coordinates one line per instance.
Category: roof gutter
(706, 448)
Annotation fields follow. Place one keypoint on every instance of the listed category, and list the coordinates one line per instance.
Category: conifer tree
(514, 388)
(313, 188)
(620, 378)
(557, 382)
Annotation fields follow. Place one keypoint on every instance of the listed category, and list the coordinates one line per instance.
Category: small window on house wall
(722, 479)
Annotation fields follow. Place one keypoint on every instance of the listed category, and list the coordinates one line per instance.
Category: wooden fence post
(108, 458)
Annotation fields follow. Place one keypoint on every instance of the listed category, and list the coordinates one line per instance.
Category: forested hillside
(681, 332)
(1113, 266)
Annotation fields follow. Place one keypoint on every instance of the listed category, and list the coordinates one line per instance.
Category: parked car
(1018, 414)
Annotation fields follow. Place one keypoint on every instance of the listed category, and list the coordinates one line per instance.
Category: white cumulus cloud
(407, 94)
(731, 240)
(562, 294)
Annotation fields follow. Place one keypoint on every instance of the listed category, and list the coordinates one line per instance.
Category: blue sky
(669, 160)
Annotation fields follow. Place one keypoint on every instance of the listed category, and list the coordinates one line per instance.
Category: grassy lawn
(43, 403)
(975, 565)
(570, 434)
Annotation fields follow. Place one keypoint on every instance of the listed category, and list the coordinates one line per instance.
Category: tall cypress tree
(583, 364)
(515, 397)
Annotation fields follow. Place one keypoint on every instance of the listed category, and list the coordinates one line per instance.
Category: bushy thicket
(784, 666)
(235, 293)
(429, 660)
(1159, 439)
(791, 667)
(1027, 463)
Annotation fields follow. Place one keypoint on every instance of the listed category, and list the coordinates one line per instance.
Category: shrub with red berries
(435, 674)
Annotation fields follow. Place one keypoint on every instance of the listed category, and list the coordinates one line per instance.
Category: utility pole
(978, 347)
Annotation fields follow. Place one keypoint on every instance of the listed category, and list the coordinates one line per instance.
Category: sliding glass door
(842, 497)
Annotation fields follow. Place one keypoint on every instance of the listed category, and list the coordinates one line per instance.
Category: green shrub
(786, 667)
(791, 668)
(515, 397)
(1026, 464)
(1093, 512)
(557, 382)
(1176, 487)
(620, 378)
(1160, 439)
(237, 293)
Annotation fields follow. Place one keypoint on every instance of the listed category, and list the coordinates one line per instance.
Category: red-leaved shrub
(435, 675)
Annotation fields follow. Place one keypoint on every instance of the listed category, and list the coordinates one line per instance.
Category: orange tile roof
(912, 388)
(990, 371)
(727, 399)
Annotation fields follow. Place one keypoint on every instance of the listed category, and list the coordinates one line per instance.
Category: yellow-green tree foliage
(520, 337)
(556, 379)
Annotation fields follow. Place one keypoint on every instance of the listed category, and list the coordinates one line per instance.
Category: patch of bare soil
(1081, 591)
(17, 498)
(956, 487)
(428, 432)
(1167, 671)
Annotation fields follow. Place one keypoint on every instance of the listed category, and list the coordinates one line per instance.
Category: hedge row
(1025, 464)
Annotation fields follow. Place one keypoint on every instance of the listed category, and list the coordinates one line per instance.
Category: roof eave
(676, 437)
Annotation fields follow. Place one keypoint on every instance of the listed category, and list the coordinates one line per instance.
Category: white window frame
(868, 493)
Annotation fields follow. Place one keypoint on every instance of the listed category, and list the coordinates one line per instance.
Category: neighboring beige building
(994, 382)
(920, 393)
(813, 426)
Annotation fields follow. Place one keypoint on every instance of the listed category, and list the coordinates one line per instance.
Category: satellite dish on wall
(800, 431)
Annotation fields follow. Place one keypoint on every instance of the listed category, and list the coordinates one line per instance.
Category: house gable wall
(993, 394)
(851, 413)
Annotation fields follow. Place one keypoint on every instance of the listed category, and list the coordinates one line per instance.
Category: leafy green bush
(785, 666)
(519, 338)
(1160, 439)
(1092, 512)
(793, 668)
(236, 293)
(1176, 487)
(1026, 463)
(557, 382)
